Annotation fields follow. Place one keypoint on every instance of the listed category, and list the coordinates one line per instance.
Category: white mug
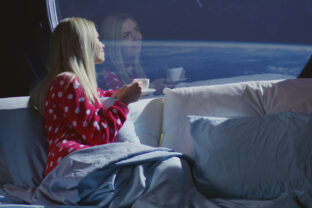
(174, 74)
(143, 82)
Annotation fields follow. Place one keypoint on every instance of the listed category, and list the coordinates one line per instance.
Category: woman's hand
(128, 94)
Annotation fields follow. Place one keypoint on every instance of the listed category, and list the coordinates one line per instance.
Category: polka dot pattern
(73, 122)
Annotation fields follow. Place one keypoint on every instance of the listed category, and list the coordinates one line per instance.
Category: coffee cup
(174, 74)
(143, 82)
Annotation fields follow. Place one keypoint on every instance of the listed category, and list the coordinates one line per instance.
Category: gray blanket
(132, 175)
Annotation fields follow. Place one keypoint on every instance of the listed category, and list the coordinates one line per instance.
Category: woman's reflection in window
(123, 40)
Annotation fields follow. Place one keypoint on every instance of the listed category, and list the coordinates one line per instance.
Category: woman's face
(99, 51)
(132, 38)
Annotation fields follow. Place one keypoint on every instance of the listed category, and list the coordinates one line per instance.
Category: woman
(123, 39)
(68, 97)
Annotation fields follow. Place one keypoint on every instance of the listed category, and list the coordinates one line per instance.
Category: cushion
(253, 98)
(228, 100)
(147, 116)
(127, 132)
(23, 146)
(144, 121)
(13, 102)
(253, 157)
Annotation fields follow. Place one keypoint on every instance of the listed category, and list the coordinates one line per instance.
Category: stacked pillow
(248, 140)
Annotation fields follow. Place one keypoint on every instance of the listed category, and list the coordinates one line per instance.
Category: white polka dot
(63, 135)
(59, 94)
(58, 144)
(51, 163)
(50, 142)
(46, 103)
(104, 125)
(85, 124)
(61, 82)
(50, 110)
(88, 111)
(81, 99)
(76, 85)
(115, 111)
(74, 123)
(70, 96)
(50, 128)
(70, 149)
(96, 124)
(53, 95)
(84, 137)
(64, 141)
(77, 110)
(66, 109)
(61, 148)
(118, 121)
(56, 130)
(54, 117)
(59, 159)
(56, 140)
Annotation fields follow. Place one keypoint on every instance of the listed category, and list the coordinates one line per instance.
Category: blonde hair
(72, 50)
(111, 33)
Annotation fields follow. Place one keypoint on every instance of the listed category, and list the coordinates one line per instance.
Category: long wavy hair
(72, 50)
(110, 31)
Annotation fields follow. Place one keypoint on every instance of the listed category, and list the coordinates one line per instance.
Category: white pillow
(144, 121)
(225, 100)
(252, 98)
(147, 116)
(13, 102)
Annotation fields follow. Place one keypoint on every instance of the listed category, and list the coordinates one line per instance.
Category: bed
(244, 144)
